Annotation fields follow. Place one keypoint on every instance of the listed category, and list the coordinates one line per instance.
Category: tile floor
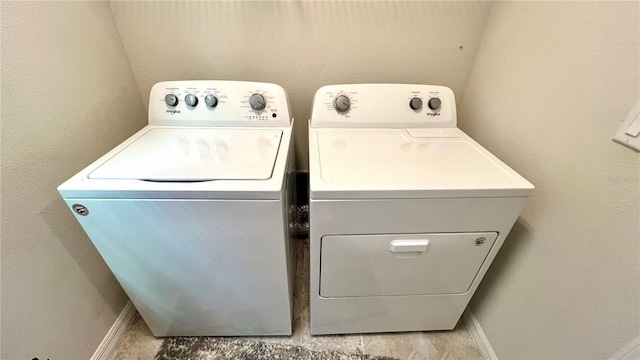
(139, 343)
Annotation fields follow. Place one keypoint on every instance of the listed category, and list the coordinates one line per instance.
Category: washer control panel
(218, 103)
(384, 105)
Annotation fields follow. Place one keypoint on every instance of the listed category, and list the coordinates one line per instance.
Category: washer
(406, 211)
(192, 213)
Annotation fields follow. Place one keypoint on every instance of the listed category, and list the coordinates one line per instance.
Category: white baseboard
(475, 330)
(629, 352)
(110, 341)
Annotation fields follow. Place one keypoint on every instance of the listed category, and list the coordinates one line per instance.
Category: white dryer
(406, 211)
(191, 213)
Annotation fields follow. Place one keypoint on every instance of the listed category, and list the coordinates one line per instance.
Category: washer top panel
(195, 154)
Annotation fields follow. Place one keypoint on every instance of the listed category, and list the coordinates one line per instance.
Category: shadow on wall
(519, 237)
(71, 235)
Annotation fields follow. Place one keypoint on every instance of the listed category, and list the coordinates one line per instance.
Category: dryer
(407, 212)
(192, 213)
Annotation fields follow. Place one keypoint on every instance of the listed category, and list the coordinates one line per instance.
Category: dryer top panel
(195, 154)
(398, 163)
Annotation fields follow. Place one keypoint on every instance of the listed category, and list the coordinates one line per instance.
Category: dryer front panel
(401, 264)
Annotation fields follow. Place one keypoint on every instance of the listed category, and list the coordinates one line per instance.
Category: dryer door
(409, 264)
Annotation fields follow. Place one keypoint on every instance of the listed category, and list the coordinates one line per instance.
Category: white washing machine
(191, 213)
(406, 211)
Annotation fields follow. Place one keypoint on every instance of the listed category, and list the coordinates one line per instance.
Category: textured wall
(68, 96)
(551, 84)
(301, 45)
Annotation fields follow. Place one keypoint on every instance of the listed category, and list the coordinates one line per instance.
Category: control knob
(341, 103)
(171, 100)
(191, 100)
(257, 101)
(415, 103)
(211, 101)
(434, 103)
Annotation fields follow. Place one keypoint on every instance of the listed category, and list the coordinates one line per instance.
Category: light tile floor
(139, 343)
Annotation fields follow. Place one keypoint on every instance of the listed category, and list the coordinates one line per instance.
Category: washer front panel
(198, 267)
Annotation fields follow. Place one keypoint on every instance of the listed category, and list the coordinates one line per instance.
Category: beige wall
(68, 96)
(551, 84)
(301, 45)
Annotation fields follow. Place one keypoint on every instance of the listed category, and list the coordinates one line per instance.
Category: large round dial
(434, 103)
(341, 103)
(415, 103)
(171, 100)
(191, 100)
(211, 100)
(257, 101)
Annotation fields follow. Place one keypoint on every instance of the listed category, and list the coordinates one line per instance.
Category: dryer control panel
(384, 106)
(218, 103)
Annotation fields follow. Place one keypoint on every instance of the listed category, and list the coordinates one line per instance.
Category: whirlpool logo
(433, 114)
(173, 111)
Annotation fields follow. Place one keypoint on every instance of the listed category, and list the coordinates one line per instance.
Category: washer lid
(195, 154)
(376, 163)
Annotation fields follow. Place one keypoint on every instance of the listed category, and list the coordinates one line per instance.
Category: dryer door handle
(409, 246)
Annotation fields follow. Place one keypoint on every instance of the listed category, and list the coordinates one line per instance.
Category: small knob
(257, 102)
(191, 100)
(211, 101)
(341, 103)
(171, 100)
(434, 103)
(415, 103)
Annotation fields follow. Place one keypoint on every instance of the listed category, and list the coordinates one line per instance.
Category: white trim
(110, 341)
(631, 351)
(475, 330)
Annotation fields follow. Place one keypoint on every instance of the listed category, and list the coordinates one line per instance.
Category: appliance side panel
(289, 214)
(197, 267)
